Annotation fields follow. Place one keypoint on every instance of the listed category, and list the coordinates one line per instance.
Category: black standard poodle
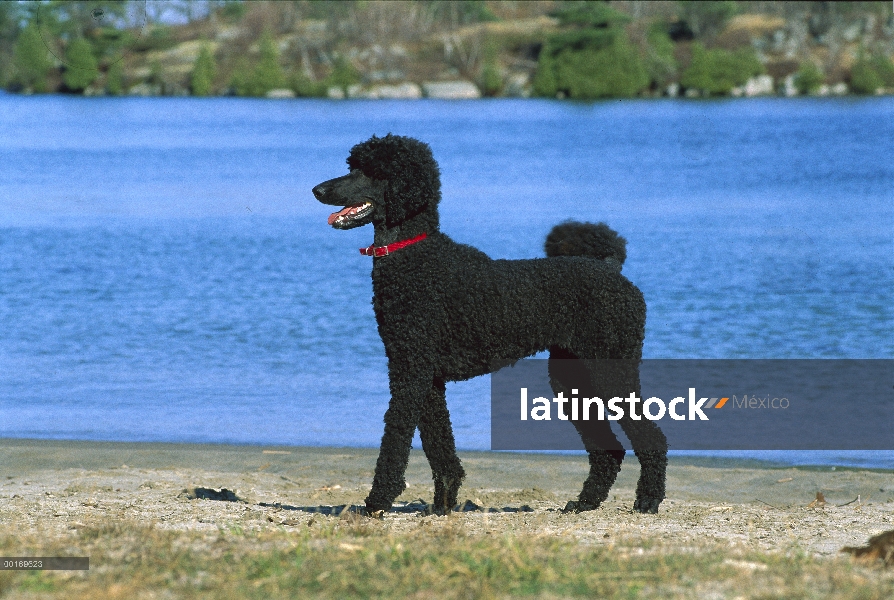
(448, 312)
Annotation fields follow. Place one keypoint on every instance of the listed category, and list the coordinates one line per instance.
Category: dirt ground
(54, 488)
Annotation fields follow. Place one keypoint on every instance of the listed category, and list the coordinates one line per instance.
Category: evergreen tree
(203, 73)
(809, 78)
(591, 57)
(545, 83)
(303, 86)
(240, 80)
(268, 74)
(616, 71)
(660, 62)
(883, 66)
(866, 76)
(718, 71)
(491, 82)
(115, 78)
(10, 17)
(81, 68)
(343, 74)
(156, 74)
(32, 60)
(698, 75)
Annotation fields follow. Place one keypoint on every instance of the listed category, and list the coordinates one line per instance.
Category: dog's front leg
(409, 389)
(436, 434)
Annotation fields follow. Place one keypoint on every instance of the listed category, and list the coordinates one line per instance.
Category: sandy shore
(56, 487)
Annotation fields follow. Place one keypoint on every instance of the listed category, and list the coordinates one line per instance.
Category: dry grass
(356, 557)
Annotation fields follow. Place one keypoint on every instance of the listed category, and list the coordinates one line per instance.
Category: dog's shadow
(418, 506)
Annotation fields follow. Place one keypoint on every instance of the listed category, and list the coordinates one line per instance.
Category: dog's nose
(320, 191)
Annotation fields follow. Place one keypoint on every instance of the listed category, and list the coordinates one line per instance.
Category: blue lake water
(166, 274)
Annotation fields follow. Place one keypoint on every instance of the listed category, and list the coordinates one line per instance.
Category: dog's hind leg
(619, 378)
(409, 390)
(438, 443)
(604, 452)
(649, 442)
(605, 463)
(650, 446)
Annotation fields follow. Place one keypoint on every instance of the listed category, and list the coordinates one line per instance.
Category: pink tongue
(345, 211)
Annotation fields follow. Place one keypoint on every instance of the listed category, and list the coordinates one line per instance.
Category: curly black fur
(572, 238)
(413, 180)
(447, 312)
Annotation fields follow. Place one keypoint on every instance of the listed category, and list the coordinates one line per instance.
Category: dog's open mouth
(350, 215)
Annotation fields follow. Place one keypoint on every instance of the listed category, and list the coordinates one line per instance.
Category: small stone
(281, 93)
(451, 90)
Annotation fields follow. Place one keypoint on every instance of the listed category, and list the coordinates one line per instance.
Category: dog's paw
(374, 512)
(647, 505)
(376, 504)
(576, 506)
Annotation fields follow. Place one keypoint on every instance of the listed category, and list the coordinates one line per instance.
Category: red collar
(386, 250)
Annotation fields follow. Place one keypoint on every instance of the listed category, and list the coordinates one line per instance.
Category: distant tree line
(597, 50)
(592, 55)
(57, 45)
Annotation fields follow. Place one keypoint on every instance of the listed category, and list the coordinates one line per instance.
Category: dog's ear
(409, 169)
(403, 201)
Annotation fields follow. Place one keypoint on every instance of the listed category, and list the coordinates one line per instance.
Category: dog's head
(392, 180)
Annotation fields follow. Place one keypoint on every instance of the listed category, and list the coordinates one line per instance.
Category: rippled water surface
(165, 273)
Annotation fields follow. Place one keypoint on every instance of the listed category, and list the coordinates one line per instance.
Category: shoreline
(97, 454)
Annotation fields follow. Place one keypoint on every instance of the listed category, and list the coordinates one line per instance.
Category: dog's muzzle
(350, 214)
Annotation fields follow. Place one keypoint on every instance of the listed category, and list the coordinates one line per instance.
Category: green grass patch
(359, 558)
